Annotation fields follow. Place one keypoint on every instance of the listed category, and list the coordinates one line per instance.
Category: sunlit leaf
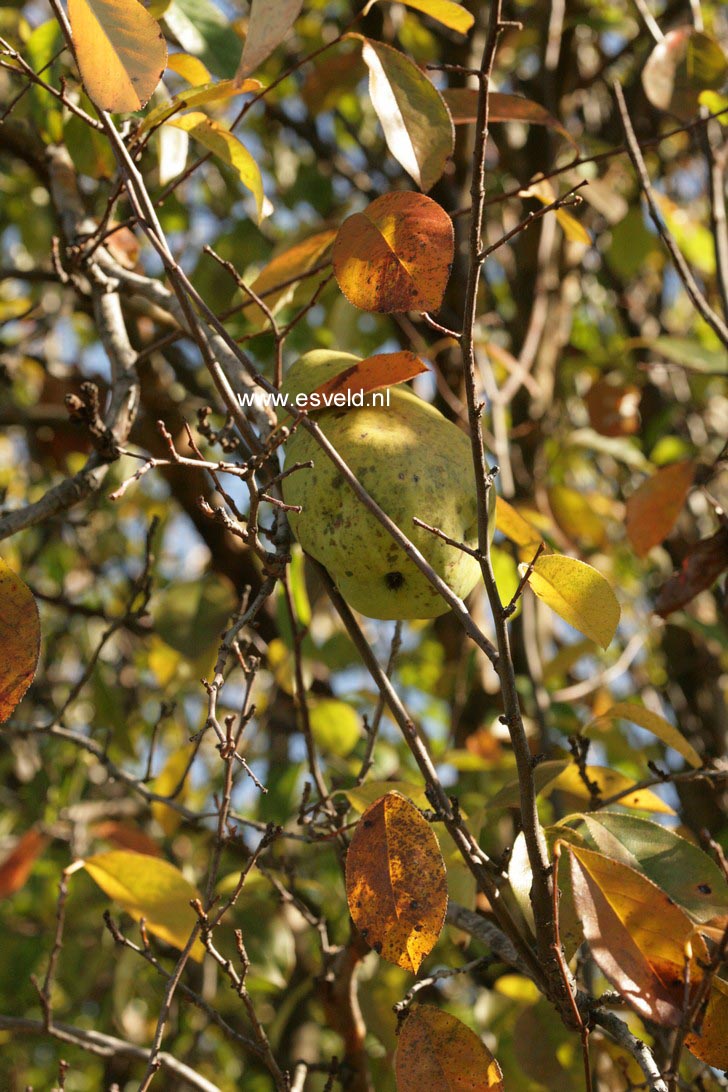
(577, 515)
(223, 144)
(167, 783)
(702, 566)
(711, 1045)
(652, 722)
(203, 30)
(149, 888)
(396, 884)
(451, 15)
(579, 594)
(197, 96)
(462, 102)
(638, 937)
(511, 523)
(335, 726)
(120, 50)
(564, 776)
(544, 192)
(189, 68)
(416, 123)
(276, 282)
(20, 637)
(382, 370)
(437, 1051)
(363, 795)
(395, 255)
(268, 25)
(15, 869)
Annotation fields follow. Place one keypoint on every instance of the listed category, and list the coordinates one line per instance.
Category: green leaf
(578, 593)
(335, 726)
(150, 888)
(203, 30)
(652, 722)
(221, 142)
(691, 355)
(192, 616)
(417, 126)
(361, 797)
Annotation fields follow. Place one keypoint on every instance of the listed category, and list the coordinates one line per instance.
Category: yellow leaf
(189, 68)
(437, 1051)
(544, 192)
(120, 50)
(579, 594)
(221, 142)
(396, 884)
(450, 14)
(149, 888)
(165, 784)
(653, 722)
(19, 639)
(577, 515)
(512, 524)
(196, 96)
(609, 783)
(276, 282)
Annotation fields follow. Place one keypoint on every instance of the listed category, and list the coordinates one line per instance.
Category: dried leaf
(221, 142)
(120, 50)
(579, 594)
(396, 884)
(15, 869)
(637, 935)
(652, 722)
(437, 1051)
(655, 505)
(374, 373)
(451, 15)
(20, 639)
(702, 566)
(711, 1045)
(416, 123)
(268, 25)
(150, 888)
(396, 255)
(613, 408)
(462, 102)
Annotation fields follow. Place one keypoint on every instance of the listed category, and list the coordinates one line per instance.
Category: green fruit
(413, 462)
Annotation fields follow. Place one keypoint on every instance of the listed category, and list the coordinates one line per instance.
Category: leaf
(563, 776)
(577, 514)
(19, 638)
(268, 25)
(544, 192)
(437, 1051)
(335, 726)
(150, 888)
(652, 722)
(204, 31)
(195, 96)
(613, 407)
(450, 14)
(126, 836)
(711, 1045)
(221, 142)
(579, 594)
(511, 523)
(191, 616)
(381, 370)
(416, 123)
(363, 795)
(276, 282)
(15, 869)
(396, 884)
(520, 878)
(120, 50)
(395, 255)
(680, 67)
(330, 78)
(462, 102)
(690, 355)
(681, 869)
(700, 568)
(637, 935)
(189, 68)
(165, 784)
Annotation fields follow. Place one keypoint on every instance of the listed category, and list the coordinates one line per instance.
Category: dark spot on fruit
(394, 580)
(415, 477)
(401, 477)
(705, 889)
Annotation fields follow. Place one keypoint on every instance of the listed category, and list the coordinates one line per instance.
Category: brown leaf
(438, 1051)
(613, 408)
(711, 1045)
(703, 565)
(396, 884)
(126, 836)
(381, 370)
(637, 935)
(396, 255)
(15, 869)
(654, 507)
(19, 639)
(462, 102)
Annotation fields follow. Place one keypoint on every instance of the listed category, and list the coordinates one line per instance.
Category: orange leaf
(126, 836)
(711, 1045)
(462, 102)
(381, 370)
(19, 639)
(613, 407)
(655, 505)
(638, 936)
(276, 282)
(15, 869)
(396, 884)
(436, 1050)
(396, 255)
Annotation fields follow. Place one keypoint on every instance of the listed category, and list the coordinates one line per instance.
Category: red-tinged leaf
(613, 407)
(372, 374)
(654, 507)
(702, 566)
(268, 25)
(637, 935)
(19, 639)
(416, 123)
(396, 884)
(395, 255)
(711, 1045)
(120, 50)
(126, 836)
(15, 869)
(686, 63)
(437, 1051)
(462, 102)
